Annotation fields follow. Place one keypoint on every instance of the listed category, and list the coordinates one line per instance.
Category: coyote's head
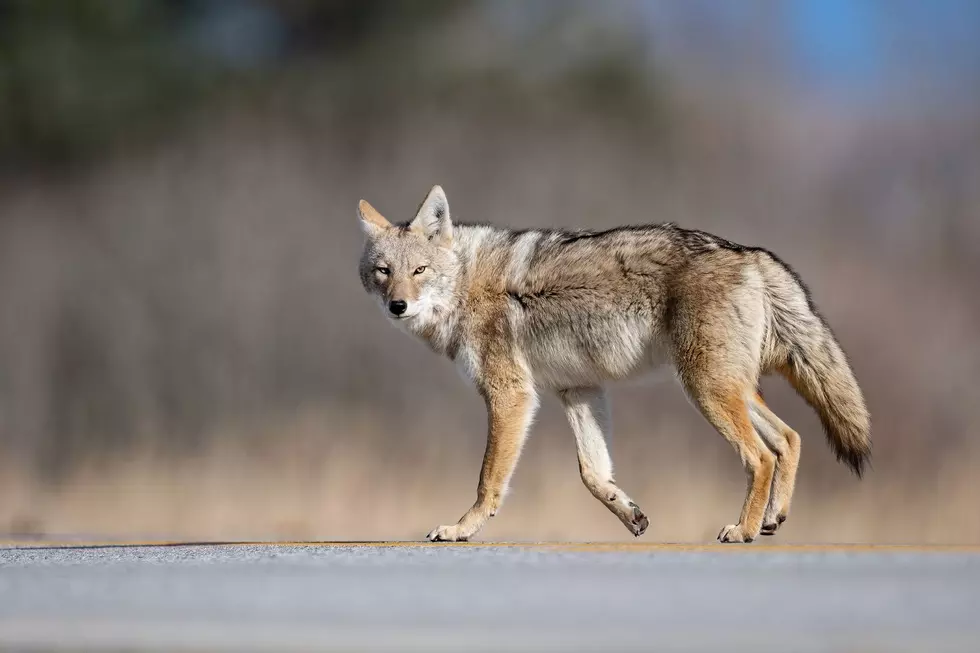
(410, 267)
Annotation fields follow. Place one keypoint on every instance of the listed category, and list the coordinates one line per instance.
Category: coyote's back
(567, 311)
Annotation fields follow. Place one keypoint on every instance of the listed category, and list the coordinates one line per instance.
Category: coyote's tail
(815, 365)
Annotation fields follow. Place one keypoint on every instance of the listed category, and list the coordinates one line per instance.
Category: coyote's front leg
(509, 410)
(588, 414)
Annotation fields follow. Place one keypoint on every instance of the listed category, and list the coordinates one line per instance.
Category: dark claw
(640, 521)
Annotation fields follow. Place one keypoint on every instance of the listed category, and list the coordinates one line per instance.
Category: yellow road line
(634, 547)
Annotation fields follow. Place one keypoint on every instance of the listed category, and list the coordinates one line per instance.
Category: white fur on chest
(468, 363)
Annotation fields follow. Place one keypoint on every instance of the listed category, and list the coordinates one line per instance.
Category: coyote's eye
(382, 270)
(420, 269)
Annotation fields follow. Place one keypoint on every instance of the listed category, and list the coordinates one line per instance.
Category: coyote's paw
(447, 534)
(638, 522)
(733, 534)
(772, 527)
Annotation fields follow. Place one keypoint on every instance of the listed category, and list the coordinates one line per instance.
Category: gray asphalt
(475, 598)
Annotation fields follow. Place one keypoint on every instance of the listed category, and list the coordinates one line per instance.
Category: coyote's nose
(397, 306)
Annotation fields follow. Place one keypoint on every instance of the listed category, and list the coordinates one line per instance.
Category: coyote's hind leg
(785, 443)
(725, 407)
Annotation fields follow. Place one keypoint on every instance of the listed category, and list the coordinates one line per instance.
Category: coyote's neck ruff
(522, 312)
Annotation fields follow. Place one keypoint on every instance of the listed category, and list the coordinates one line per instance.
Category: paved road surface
(261, 597)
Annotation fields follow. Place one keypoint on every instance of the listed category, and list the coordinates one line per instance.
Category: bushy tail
(817, 368)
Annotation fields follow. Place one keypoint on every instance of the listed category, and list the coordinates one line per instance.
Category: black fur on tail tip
(856, 460)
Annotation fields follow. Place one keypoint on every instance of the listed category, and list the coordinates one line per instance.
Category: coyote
(526, 311)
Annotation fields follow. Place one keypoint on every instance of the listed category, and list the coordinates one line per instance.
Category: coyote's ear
(372, 222)
(432, 219)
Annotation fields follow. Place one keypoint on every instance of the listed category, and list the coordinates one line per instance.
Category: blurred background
(185, 347)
